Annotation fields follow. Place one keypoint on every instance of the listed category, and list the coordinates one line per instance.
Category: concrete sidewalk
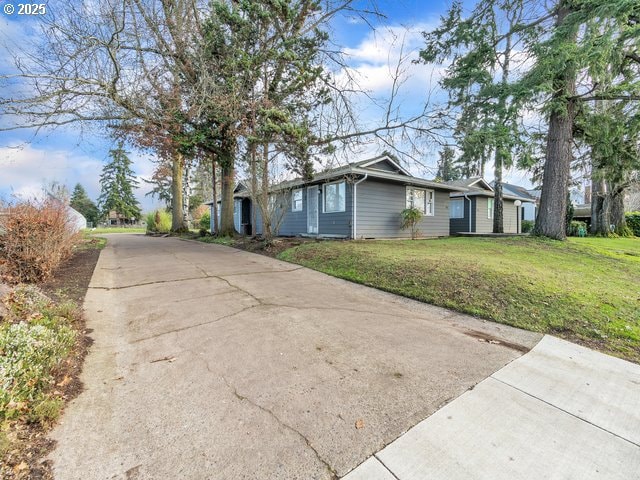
(559, 412)
(214, 363)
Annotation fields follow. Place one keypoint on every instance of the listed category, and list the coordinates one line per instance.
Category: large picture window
(456, 208)
(421, 199)
(334, 197)
(296, 200)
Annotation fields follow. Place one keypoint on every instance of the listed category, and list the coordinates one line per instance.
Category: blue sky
(77, 154)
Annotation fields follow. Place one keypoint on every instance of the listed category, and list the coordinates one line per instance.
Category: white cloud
(26, 169)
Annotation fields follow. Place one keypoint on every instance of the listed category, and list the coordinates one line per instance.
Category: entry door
(312, 210)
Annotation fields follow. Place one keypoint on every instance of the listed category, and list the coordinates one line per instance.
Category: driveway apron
(211, 362)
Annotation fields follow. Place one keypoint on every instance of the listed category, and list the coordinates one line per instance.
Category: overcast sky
(77, 154)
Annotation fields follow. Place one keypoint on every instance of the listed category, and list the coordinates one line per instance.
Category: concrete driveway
(210, 362)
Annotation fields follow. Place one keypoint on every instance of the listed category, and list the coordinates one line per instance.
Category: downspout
(355, 204)
(465, 196)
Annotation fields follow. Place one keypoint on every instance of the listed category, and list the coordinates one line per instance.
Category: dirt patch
(30, 444)
(71, 280)
(485, 337)
(271, 249)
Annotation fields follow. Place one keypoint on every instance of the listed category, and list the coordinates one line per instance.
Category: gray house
(359, 200)
(472, 210)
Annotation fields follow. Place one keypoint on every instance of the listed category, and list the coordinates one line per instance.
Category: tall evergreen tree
(447, 168)
(81, 202)
(585, 51)
(478, 80)
(117, 183)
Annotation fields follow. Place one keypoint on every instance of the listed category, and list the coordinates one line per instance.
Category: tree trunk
(616, 210)
(267, 214)
(177, 217)
(228, 172)
(555, 181)
(254, 188)
(186, 200)
(600, 204)
(214, 206)
(498, 205)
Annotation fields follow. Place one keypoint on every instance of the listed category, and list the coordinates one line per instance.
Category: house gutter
(355, 204)
(465, 196)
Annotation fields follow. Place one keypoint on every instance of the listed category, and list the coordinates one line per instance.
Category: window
(333, 197)
(296, 200)
(490, 208)
(421, 199)
(456, 208)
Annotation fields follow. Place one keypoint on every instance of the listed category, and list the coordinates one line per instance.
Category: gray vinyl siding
(457, 225)
(385, 166)
(483, 224)
(336, 223)
(509, 217)
(378, 212)
(294, 223)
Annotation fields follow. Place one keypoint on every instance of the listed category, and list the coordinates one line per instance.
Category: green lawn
(586, 290)
(102, 230)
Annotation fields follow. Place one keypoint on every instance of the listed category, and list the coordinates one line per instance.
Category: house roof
(478, 186)
(517, 191)
(368, 168)
(472, 183)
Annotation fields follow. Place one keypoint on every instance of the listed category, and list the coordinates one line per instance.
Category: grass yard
(585, 290)
(103, 230)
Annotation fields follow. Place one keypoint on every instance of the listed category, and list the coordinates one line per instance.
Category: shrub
(37, 237)
(410, 219)
(151, 222)
(575, 227)
(527, 226)
(205, 220)
(633, 222)
(34, 343)
(159, 221)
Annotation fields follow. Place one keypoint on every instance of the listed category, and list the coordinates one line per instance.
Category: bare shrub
(36, 236)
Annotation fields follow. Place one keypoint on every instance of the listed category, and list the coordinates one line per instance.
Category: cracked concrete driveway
(211, 362)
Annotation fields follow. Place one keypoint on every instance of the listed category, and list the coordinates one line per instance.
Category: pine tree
(116, 187)
(479, 84)
(447, 169)
(81, 202)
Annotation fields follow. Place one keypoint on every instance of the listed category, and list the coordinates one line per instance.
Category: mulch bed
(70, 282)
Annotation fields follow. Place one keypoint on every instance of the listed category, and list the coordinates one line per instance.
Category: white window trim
(458, 200)
(293, 201)
(490, 207)
(324, 197)
(428, 194)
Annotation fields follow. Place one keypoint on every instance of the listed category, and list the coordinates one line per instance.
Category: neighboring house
(530, 210)
(472, 211)
(359, 200)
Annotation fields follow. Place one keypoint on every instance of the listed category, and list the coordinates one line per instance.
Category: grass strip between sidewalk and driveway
(585, 290)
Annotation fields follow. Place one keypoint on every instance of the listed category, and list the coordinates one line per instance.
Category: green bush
(205, 221)
(410, 219)
(575, 226)
(633, 222)
(527, 226)
(35, 338)
(159, 221)
(151, 222)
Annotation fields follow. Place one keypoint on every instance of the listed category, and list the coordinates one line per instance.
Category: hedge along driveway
(585, 290)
